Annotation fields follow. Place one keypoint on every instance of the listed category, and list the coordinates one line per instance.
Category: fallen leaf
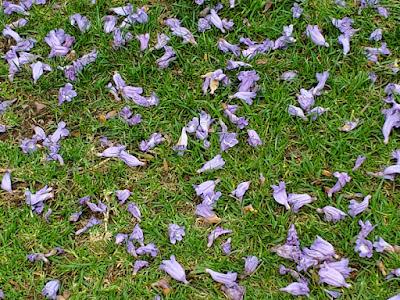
(249, 208)
(326, 173)
(39, 106)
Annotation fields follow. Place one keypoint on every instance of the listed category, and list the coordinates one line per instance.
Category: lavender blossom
(138, 265)
(332, 277)
(250, 265)
(229, 111)
(154, 140)
(216, 163)
(175, 233)
(109, 23)
(232, 65)
(92, 222)
(162, 41)
(296, 201)
(296, 112)
(332, 214)
(253, 138)
(343, 178)
(66, 94)
(149, 249)
(178, 30)
(71, 71)
(314, 33)
(74, 217)
(297, 289)
(6, 182)
(134, 210)
(59, 42)
(376, 35)
(168, 57)
(241, 190)
(226, 246)
(144, 41)
(80, 21)
(174, 269)
(382, 246)
(122, 195)
(51, 288)
(382, 11)
(356, 208)
(38, 69)
(359, 161)
(280, 195)
(227, 279)
(181, 145)
(215, 234)
(36, 201)
(212, 80)
(289, 75)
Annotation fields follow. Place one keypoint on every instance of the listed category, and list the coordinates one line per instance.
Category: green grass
(295, 151)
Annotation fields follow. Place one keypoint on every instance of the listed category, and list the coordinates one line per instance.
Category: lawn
(296, 151)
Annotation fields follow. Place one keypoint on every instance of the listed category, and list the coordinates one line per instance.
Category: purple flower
(216, 163)
(332, 277)
(297, 289)
(174, 269)
(47, 215)
(291, 249)
(280, 195)
(342, 266)
(296, 10)
(51, 288)
(341, 3)
(138, 265)
(140, 16)
(376, 35)
(137, 235)
(149, 249)
(289, 75)
(162, 41)
(66, 94)
(316, 111)
(363, 246)
(144, 41)
(245, 96)
(392, 120)
(283, 271)
(130, 248)
(253, 139)
(343, 178)
(395, 297)
(229, 111)
(120, 39)
(305, 99)
(393, 273)
(100, 207)
(35, 201)
(366, 228)
(215, 20)
(154, 140)
(382, 11)
(109, 23)
(226, 246)
(206, 187)
(178, 30)
(120, 238)
(297, 201)
(134, 210)
(349, 126)
(359, 161)
(248, 81)
(122, 195)
(254, 48)
(59, 42)
(169, 56)
(332, 214)
(234, 291)
(296, 112)
(203, 24)
(314, 33)
(250, 265)
(175, 233)
(321, 78)
(241, 190)
(381, 246)
(123, 10)
(5, 104)
(232, 64)
(325, 249)
(74, 217)
(286, 39)
(6, 182)
(71, 71)
(92, 222)
(206, 211)
(10, 8)
(344, 25)
(37, 70)
(82, 22)
(215, 234)
(356, 208)
(227, 279)
(181, 145)
(212, 80)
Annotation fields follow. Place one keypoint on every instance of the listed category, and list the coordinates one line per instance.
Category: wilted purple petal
(248, 81)
(122, 195)
(109, 23)
(226, 246)
(289, 75)
(100, 207)
(144, 41)
(51, 288)
(138, 265)
(376, 35)
(332, 277)
(92, 222)
(169, 56)
(382, 246)
(359, 161)
(280, 195)
(250, 265)
(71, 71)
(35, 201)
(332, 214)
(206, 187)
(393, 273)
(216, 163)
(74, 217)
(349, 126)
(212, 80)
(343, 179)
(382, 11)
(130, 160)
(123, 10)
(82, 22)
(175, 233)
(356, 208)
(305, 99)
(137, 235)
(241, 190)
(6, 182)
(174, 269)
(149, 249)
(37, 70)
(232, 64)
(162, 41)
(297, 289)
(120, 238)
(215, 234)
(66, 94)
(178, 30)
(296, 10)
(203, 24)
(227, 279)
(296, 112)
(134, 210)
(297, 201)
(154, 140)
(234, 291)
(181, 145)
(314, 33)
